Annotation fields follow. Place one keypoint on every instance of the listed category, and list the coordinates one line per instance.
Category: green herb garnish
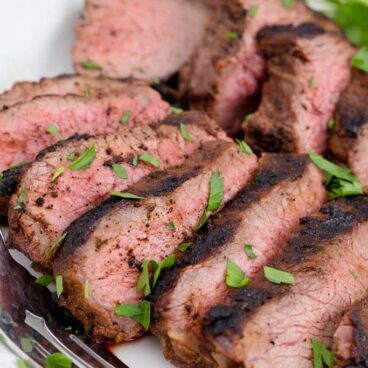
(27, 344)
(44, 280)
(55, 245)
(253, 11)
(321, 355)
(57, 173)
(248, 249)
(20, 200)
(356, 275)
(58, 360)
(85, 160)
(157, 268)
(86, 93)
(244, 147)
(21, 363)
(59, 285)
(124, 120)
(277, 276)
(184, 132)
(235, 277)
(176, 110)
(71, 156)
(184, 246)
(233, 36)
(126, 195)
(339, 181)
(171, 226)
(120, 171)
(146, 157)
(288, 3)
(134, 160)
(331, 124)
(140, 312)
(360, 59)
(312, 83)
(87, 292)
(144, 279)
(54, 131)
(90, 65)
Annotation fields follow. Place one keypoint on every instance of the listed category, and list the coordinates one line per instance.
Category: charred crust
(359, 319)
(10, 180)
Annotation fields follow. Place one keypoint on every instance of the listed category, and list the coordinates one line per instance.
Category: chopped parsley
(71, 156)
(144, 279)
(321, 355)
(90, 65)
(288, 3)
(86, 93)
(244, 147)
(44, 280)
(21, 363)
(331, 124)
(232, 36)
(312, 83)
(57, 173)
(55, 245)
(152, 160)
(253, 11)
(215, 198)
(140, 312)
(184, 246)
(126, 195)
(171, 226)
(85, 160)
(356, 275)
(176, 110)
(87, 291)
(339, 181)
(1, 177)
(59, 285)
(277, 276)
(124, 120)
(58, 360)
(248, 249)
(248, 117)
(134, 160)
(360, 59)
(27, 344)
(184, 132)
(235, 277)
(54, 131)
(157, 268)
(20, 200)
(120, 171)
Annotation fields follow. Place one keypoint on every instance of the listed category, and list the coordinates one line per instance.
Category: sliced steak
(349, 140)
(50, 207)
(272, 325)
(62, 85)
(350, 343)
(227, 68)
(108, 245)
(308, 68)
(142, 38)
(23, 127)
(285, 188)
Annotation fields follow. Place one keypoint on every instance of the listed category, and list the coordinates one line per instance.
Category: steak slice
(108, 245)
(23, 127)
(285, 188)
(349, 139)
(308, 69)
(227, 68)
(272, 325)
(350, 342)
(50, 207)
(142, 38)
(61, 85)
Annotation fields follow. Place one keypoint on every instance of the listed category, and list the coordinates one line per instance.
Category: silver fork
(30, 314)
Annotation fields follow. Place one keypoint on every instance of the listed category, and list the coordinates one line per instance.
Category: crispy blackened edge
(359, 318)
(11, 179)
(336, 218)
(273, 170)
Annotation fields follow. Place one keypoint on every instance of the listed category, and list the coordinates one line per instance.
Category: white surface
(36, 37)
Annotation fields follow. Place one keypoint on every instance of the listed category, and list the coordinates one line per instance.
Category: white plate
(35, 41)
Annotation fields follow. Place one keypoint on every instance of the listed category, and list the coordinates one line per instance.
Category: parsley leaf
(235, 277)
(87, 291)
(85, 160)
(140, 312)
(321, 355)
(288, 3)
(126, 195)
(124, 120)
(176, 110)
(232, 36)
(277, 276)
(248, 248)
(157, 268)
(244, 147)
(20, 200)
(21, 363)
(360, 59)
(120, 171)
(54, 131)
(146, 157)
(44, 280)
(184, 246)
(27, 344)
(253, 11)
(90, 65)
(57, 173)
(184, 132)
(171, 226)
(58, 360)
(144, 280)
(59, 285)
(55, 245)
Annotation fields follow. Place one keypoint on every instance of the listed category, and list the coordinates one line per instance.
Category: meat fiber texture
(50, 206)
(349, 138)
(138, 38)
(108, 245)
(285, 188)
(225, 72)
(269, 324)
(308, 69)
(24, 127)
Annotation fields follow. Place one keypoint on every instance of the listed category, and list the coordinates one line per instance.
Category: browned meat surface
(350, 342)
(349, 140)
(268, 324)
(51, 206)
(138, 38)
(308, 68)
(24, 127)
(62, 85)
(108, 245)
(285, 188)
(227, 68)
